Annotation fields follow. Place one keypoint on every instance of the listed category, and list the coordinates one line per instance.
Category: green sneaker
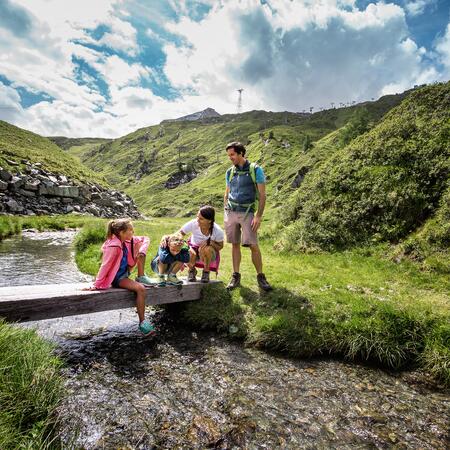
(173, 279)
(146, 328)
(145, 280)
(161, 280)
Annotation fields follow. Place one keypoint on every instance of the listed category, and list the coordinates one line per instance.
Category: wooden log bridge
(25, 303)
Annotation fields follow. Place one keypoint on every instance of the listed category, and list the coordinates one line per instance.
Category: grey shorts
(238, 228)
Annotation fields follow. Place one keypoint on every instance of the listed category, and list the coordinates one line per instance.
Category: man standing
(244, 200)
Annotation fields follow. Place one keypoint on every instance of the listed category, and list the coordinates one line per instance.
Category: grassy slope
(202, 147)
(383, 185)
(17, 144)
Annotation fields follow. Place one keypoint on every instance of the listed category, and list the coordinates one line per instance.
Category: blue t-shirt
(167, 258)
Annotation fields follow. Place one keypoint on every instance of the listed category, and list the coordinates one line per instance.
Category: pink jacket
(112, 255)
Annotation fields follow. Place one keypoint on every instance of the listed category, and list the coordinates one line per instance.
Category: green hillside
(382, 186)
(77, 146)
(18, 145)
(142, 162)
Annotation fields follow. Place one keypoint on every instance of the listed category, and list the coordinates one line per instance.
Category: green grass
(17, 144)
(141, 162)
(30, 388)
(357, 304)
(10, 225)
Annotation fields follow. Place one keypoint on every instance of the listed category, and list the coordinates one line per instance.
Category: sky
(103, 68)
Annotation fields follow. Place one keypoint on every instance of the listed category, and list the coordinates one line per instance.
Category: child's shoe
(146, 328)
(161, 280)
(173, 279)
(145, 280)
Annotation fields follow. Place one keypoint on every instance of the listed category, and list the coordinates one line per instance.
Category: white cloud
(291, 55)
(417, 7)
(284, 54)
(443, 49)
(10, 108)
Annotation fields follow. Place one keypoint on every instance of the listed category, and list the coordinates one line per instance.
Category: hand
(90, 288)
(163, 242)
(256, 223)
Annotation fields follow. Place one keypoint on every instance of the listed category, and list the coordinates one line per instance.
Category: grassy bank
(10, 225)
(355, 303)
(30, 386)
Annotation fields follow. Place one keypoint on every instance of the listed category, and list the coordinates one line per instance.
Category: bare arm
(225, 196)
(256, 222)
(262, 199)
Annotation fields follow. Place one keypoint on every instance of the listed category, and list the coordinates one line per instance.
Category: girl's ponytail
(116, 226)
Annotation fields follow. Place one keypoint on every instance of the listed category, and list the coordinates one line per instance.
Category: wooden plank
(25, 303)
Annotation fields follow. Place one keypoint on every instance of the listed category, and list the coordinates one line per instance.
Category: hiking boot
(145, 280)
(263, 283)
(191, 275)
(146, 328)
(173, 279)
(205, 277)
(235, 281)
(161, 280)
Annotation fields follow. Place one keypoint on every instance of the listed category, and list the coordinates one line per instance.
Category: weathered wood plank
(25, 303)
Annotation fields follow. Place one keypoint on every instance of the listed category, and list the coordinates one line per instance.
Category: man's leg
(236, 254)
(256, 257)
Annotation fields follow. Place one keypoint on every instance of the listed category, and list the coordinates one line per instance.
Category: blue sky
(104, 68)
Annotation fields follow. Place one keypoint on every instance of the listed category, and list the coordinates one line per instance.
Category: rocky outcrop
(37, 191)
(207, 113)
(180, 178)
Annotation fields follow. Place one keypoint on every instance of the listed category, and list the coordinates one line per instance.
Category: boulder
(5, 175)
(14, 206)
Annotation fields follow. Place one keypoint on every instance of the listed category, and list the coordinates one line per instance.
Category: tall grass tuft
(30, 388)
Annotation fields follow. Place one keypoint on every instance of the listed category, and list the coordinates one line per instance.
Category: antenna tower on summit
(239, 104)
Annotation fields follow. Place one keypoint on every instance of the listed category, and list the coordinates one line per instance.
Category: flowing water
(185, 389)
(39, 258)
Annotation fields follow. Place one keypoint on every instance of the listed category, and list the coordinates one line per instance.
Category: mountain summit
(205, 114)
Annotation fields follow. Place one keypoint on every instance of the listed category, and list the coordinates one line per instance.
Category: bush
(380, 187)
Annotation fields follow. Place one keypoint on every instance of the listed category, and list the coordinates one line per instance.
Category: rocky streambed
(191, 389)
(185, 389)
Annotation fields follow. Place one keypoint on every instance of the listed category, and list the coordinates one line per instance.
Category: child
(121, 252)
(172, 254)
